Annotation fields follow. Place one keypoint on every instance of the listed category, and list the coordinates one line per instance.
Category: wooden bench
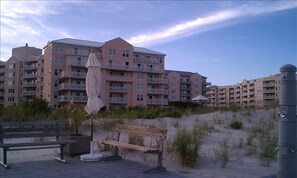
(36, 133)
(157, 133)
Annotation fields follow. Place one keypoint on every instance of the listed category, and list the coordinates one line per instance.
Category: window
(139, 75)
(139, 97)
(160, 59)
(58, 60)
(140, 86)
(11, 83)
(75, 50)
(11, 74)
(59, 48)
(55, 95)
(125, 53)
(112, 52)
(10, 90)
(56, 83)
(10, 99)
(11, 66)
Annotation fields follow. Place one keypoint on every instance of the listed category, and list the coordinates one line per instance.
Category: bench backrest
(140, 130)
(34, 129)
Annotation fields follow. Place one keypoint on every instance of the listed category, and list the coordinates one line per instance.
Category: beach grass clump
(224, 151)
(268, 145)
(236, 124)
(187, 145)
(135, 140)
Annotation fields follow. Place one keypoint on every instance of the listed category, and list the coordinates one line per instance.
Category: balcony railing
(78, 63)
(268, 91)
(157, 80)
(72, 75)
(1, 78)
(72, 86)
(118, 89)
(269, 97)
(1, 93)
(2, 70)
(77, 52)
(185, 82)
(27, 93)
(29, 67)
(157, 91)
(69, 98)
(132, 68)
(29, 84)
(29, 75)
(117, 100)
(157, 101)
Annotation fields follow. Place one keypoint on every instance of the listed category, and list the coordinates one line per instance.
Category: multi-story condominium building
(183, 86)
(2, 72)
(249, 93)
(130, 75)
(18, 72)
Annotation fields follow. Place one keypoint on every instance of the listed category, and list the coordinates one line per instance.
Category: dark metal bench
(42, 134)
(158, 133)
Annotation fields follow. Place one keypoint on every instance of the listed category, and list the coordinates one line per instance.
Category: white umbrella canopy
(94, 103)
(200, 98)
(93, 85)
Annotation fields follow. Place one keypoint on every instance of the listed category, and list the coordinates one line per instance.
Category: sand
(207, 165)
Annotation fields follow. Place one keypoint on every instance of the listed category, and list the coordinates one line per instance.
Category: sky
(225, 41)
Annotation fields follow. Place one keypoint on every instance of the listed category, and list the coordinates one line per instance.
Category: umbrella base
(91, 157)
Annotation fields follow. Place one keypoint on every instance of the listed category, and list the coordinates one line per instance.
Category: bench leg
(159, 168)
(115, 155)
(61, 159)
(4, 163)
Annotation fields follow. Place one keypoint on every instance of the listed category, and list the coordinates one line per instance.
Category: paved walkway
(75, 168)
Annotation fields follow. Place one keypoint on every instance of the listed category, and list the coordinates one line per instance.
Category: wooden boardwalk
(75, 168)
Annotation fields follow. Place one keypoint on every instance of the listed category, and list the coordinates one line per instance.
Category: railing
(157, 91)
(132, 68)
(268, 91)
(78, 52)
(28, 93)
(69, 98)
(270, 84)
(145, 60)
(29, 67)
(73, 74)
(185, 82)
(71, 86)
(28, 84)
(78, 63)
(269, 97)
(157, 101)
(29, 75)
(1, 78)
(2, 70)
(1, 93)
(118, 89)
(157, 80)
(117, 100)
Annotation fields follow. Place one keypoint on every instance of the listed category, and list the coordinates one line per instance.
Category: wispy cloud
(214, 20)
(22, 21)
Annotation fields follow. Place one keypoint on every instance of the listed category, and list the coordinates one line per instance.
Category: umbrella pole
(92, 124)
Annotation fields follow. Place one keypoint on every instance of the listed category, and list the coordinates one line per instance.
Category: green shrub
(235, 124)
(186, 145)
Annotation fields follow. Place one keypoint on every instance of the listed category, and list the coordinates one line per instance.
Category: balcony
(118, 100)
(157, 102)
(185, 88)
(73, 75)
(145, 60)
(33, 75)
(1, 94)
(157, 80)
(268, 84)
(77, 52)
(2, 70)
(269, 97)
(186, 82)
(268, 91)
(72, 86)
(2, 78)
(206, 83)
(78, 63)
(118, 89)
(28, 93)
(157, 91)
(29, 67)
(69, 98)
(29, 84)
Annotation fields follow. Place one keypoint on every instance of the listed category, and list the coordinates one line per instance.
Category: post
(287, 142)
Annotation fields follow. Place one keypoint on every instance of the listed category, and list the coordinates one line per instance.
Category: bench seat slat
(36, 143)
(130, 146)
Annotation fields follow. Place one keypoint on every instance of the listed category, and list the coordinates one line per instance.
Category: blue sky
(226, 41)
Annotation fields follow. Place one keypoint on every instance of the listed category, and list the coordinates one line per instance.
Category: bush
(186, 145)
(236, 124)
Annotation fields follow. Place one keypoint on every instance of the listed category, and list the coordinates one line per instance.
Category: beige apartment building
(2, 73)
(249, 93)
(131, 75)
(20, 78)
(183, 86)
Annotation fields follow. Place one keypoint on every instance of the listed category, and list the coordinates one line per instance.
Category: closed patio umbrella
(94, 103)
